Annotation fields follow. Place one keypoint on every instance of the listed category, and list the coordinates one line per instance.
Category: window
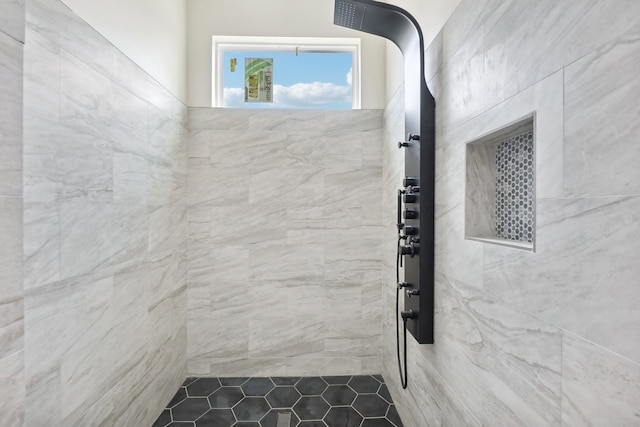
(321, 73)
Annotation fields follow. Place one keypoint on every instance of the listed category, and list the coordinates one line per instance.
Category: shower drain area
(500, 187)
(331, 401)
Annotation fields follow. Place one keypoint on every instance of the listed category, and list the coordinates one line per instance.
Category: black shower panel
(416, 199)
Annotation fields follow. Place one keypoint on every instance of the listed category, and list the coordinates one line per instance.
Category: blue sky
(309, 80)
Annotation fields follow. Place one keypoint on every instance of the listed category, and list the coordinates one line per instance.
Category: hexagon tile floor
(340, 401)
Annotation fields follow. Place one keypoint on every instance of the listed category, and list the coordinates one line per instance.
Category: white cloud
(299, 95)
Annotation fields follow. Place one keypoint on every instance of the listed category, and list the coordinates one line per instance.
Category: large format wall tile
(11, 119)
(598, 386)
(284, 242)
(12, 18)
(530, 338)
(105, 229)
(601, 126)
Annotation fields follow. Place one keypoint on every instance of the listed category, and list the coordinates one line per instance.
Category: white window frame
(223, 44)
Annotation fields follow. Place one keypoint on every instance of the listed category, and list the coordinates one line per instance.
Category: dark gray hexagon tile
(245, 424)
(312, 424)
(190, 409)
(376, 422)
(343, 417)
(251, 409)
(226, 397)
(163, 419)
(257, 387)
(217, 418)
(393, 416)
(311, 408)
(339, 395)
(178, 397)
(283, 397)
(233, 381)
(364, 384)
(188, 381)
(285, 380)
(378, 377)
(311, 386)
(271, 419)
(203, 387)
(383, 392)
(181, 424)
(371, 405)
(337, 380)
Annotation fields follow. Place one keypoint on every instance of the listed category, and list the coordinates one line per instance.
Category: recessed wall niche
(500, 186)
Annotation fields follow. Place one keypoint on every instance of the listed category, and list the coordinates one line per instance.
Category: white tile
(12, 18)
(598, 387)
(12, 389)
(600, 153)
(95, 236)
(11, 119)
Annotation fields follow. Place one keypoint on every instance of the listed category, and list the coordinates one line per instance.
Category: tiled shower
(145, 242)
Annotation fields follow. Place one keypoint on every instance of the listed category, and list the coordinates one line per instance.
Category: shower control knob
(410, 249)
(410, 214)
(412, 137)
(410, 198)
(409, 181)
(410, 230)
(402, 144)
(412, 293)
(404, 285)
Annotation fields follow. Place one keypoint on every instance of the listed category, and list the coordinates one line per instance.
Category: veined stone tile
(204, 191)
(337, 124)
(219, 119)
(41, 90)
(513, 358)
(131, 176)
(94, 236)
(600, 153)
(352, 338)
(456, 257)
(209, 339)
(12, 18)
(62, 164)
(245, 367)
(285, 120)
(461, 92)
(167, 274)
(11, 119)
(262, 224)
(167, 229)
(598, 387)
(11, 325)
(12, 384)
(11, 247)
(199, 147)
(277, 338)
(582, 275)
(41, 261)
(547, 35)
(278, 150)
(300, 186)
(288, 263)
(58, 315)
(56, 22)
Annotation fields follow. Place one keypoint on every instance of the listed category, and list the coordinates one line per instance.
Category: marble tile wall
(285, 242)
(547, 338)
(105, 230)
(12, 383)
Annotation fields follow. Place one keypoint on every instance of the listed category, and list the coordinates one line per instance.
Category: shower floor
(335, 401)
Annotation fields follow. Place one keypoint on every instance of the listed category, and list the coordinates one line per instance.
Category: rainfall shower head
(378, 18)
